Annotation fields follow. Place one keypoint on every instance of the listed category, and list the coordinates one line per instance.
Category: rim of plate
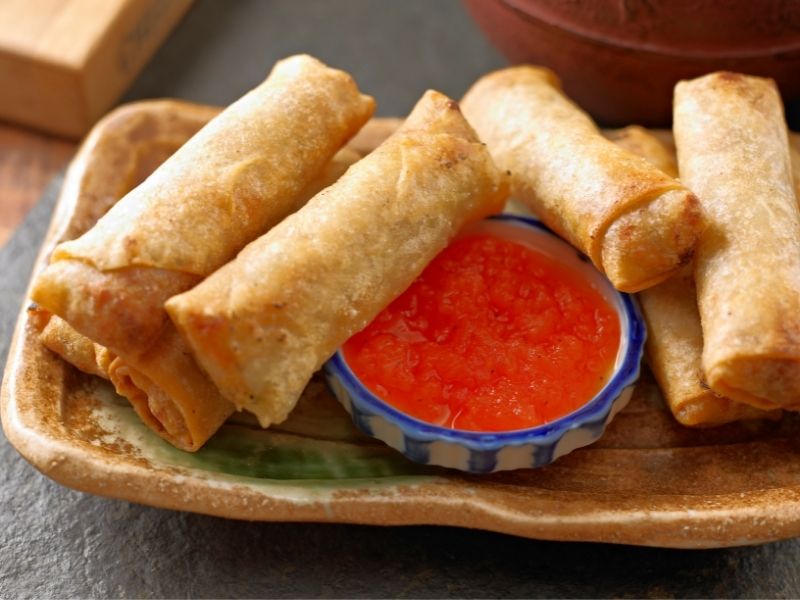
(626, 372)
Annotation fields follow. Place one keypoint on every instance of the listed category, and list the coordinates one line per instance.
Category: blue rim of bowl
(593, 411)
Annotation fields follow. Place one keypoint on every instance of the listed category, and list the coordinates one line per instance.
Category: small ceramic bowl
(479, 452)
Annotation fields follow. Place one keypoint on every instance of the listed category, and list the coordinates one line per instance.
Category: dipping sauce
(493, 336)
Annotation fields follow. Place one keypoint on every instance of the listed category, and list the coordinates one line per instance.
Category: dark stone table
(55, 542)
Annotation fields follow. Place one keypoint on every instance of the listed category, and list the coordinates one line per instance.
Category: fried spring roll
(57, 336)
(674, 335)
(81, 352)
(168, 361)
(240, 175)
(165, 386)
(262, 325)
(674, 352)
(635, 223)
(733, 151)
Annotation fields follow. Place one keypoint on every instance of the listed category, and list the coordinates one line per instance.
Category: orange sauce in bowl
(494, 335)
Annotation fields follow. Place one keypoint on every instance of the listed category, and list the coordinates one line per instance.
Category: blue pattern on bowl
(479, 452)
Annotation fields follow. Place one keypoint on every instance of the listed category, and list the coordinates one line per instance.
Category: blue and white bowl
(478, 452)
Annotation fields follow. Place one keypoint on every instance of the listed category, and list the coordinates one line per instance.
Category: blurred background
(65, 63)
(209, 51)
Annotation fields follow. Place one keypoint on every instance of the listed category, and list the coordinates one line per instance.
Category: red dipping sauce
(493, 336)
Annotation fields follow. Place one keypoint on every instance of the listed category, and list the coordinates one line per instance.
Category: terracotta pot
(620, 59)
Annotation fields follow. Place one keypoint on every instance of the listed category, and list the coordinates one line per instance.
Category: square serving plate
(648, 481)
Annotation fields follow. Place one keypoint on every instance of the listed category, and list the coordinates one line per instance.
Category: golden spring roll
(167, 361)
(263, 324)
(78, 350)
(236, 178)
(165, 386)
(241, 174)
(674, 335)
(674, 352)
(56, 335)
(733, 151)
(635, 223)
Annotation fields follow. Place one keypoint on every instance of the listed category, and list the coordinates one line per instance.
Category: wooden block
(63, 63)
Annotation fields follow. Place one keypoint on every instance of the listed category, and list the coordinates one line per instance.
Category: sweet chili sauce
(493, 336)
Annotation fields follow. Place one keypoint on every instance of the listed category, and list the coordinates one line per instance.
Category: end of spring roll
(56, 335)
(171, 395)
(263, 324)
(636, 224)
(674, 351)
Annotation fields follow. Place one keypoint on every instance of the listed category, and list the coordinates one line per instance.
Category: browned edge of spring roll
(635, 223)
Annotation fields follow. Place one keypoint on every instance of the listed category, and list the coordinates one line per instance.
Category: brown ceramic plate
(649, 481)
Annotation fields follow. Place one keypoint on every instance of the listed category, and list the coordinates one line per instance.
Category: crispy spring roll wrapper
(57, 336)
(237, 177)
(165, 386)
(637, 140)
(733, 151)
(262, 325)
(161, 399)
(635, 223)
(674, 336)
(160, 408)
(674, 352)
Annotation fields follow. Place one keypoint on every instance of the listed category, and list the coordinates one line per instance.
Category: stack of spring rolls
(723, 328)
(196, 295)
(228, 277)
(235, 179)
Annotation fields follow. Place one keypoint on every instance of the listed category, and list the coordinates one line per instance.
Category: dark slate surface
(55, 542)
